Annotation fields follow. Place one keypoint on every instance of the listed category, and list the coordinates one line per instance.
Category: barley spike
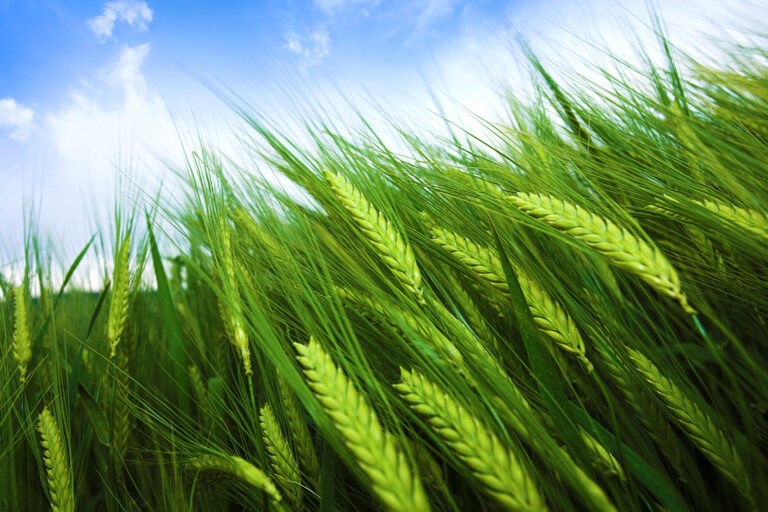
(621, 247)
(373, 447)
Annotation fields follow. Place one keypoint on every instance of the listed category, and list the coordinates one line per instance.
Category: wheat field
(568, 311)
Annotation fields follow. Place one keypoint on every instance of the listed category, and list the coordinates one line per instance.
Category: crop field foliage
(567, 312)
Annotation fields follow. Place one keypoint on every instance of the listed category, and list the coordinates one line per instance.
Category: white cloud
(17, 119)
(133, 13)
(312, 48)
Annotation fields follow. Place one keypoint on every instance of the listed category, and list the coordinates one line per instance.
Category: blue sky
(90, 91)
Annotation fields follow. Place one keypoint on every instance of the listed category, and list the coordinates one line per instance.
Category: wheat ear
(621, 247)
(751, 220)
(396, 317)
(199, 388)
(231, 313)
(548, 314)
(392, 249)
(498, 469)
(118, 307)
(57, 469)
(299, 432)
(284, 466)
(22, 338)
(238, 468)
(696, 423)
(653, 420)
(373, 447)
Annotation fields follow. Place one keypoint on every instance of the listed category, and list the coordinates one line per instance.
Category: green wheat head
(373, 447)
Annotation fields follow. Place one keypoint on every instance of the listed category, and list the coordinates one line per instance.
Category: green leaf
(96, 416)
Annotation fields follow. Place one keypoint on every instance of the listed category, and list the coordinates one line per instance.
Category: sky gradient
(93, 91)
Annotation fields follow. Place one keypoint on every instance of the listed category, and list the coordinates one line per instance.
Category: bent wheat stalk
(393, 250)
(373, 447)
(696, 423)
(621, 247)
(57, 469)
(499, 470)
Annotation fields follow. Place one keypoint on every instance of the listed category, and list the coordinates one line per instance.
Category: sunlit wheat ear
(373, 447)
(392, 249)
(118, 307)
(231, 312)
(751, 220)
(22, 339)
(302, 440)
(548, 314)
(696, 423)
(284, 467)
(239, 469)
(621, 247)
(57, 469)
(499, 470)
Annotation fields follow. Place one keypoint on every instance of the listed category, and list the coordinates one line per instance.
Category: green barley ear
(696, 423)
(200, 390)
(22, 339)
(284, 467)
(425, 328)
(751, 220)
(57, 469)
(239, 469)
(373, 447)
(621, 247)
(393, 250)
(498, 469)
(231, 312)
(549, 316)
(118, 308)
(299, 432)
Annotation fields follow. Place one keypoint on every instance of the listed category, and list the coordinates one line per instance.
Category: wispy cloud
(332, 5)
(312, 48)
(133, 13)
(16, 119)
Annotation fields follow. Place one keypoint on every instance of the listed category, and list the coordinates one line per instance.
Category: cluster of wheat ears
(567, 312)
